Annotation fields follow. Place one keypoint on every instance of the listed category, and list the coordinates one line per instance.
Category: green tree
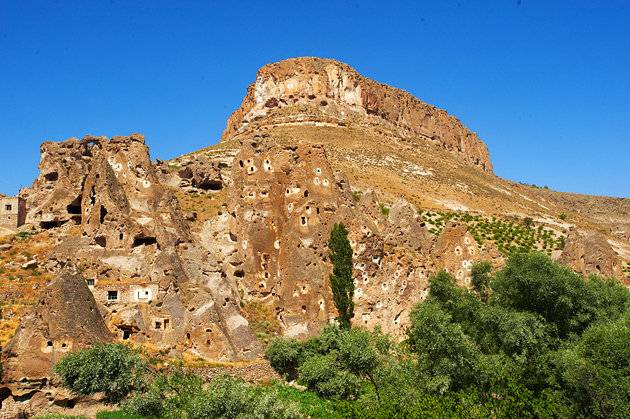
(481, 279)
(341, 282)
(444, 351)
(533, 282)
(285, 355)
(594, 373)
(359, 356)
(114, 369)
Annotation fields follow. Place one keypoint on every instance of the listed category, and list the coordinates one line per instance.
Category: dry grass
(262, 320)
(20, 287)
(205, 205)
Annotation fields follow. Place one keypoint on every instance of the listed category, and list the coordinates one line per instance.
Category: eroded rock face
(326, 92)
(55, 197)
(283, 202)
(406, 228)
(282, 205)
(123, 203)
(588, 252)
(197, 173)
(456, 251)
(65, 319)
(153, 282)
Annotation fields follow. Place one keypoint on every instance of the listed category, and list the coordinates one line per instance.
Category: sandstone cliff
(326, 92)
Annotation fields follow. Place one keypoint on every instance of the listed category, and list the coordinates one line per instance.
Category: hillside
(208, 256)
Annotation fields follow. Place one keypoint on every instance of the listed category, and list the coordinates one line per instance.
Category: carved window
(8, 207)
(112, 295)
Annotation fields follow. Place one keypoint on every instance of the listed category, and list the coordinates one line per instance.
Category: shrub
(178, 394)
(285, 355)
(228, 397)
(324, 375)
(113, 369)
(341, 281)
(384, 209)
(116, 414)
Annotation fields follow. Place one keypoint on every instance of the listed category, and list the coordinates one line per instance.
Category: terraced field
(509, 234)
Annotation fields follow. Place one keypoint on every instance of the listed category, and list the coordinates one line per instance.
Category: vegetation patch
(510, 235)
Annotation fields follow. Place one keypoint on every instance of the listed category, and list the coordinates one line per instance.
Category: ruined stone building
(12, 212)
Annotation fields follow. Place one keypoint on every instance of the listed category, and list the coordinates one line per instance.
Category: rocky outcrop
(123, 203)
(55, 197)
(456, 251)
(152, 281)
(66, 318)
(320, 92)
(282, 204)
(588, 252)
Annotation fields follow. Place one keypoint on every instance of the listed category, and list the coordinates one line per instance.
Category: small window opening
(89, 282)
(143, 240)
(49, 343)
(51, 224)
(166, 323)
(51, 177)
(158, 325)
(112, 295)
(101, 241)
(8, 207)
(103, 214)
(74, 207)
(126, 334)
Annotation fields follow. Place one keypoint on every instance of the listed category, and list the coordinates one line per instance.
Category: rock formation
(456, 251)
(588, 252)
(55, 197)
(136, 252)
(319, 91)
(66, 318)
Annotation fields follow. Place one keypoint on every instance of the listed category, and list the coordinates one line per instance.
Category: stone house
(12, 212)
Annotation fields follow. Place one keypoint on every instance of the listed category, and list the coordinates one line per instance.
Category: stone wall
(12, 212)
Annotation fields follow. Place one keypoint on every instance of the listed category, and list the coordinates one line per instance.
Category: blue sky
(546, 84)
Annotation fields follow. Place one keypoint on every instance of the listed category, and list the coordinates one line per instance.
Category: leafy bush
(113, 369)
(594, 373)
(181, 394)
(284, 355)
